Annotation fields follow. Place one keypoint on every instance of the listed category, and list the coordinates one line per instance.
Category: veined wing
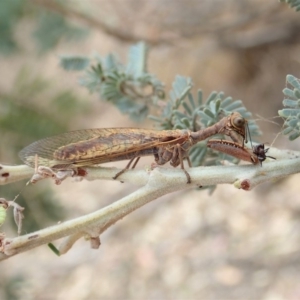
(96, 146)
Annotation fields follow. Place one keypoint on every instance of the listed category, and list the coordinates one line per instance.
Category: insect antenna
(248, 135)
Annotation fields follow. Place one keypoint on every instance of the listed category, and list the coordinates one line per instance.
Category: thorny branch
(153, 184)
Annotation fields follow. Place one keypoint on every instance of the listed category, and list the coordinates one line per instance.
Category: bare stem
(154, 184)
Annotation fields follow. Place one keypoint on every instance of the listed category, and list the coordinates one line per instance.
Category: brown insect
(83, 148)
(255, 155)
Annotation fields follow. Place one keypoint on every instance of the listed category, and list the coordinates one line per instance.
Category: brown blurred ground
(231, 245)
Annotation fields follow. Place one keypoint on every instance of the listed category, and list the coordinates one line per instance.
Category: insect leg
(128, 166)
(136, 161)
(234, 149)
(268, 155)
(189, 161)
(177, 150)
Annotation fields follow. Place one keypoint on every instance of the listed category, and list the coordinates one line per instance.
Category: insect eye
(239, 122)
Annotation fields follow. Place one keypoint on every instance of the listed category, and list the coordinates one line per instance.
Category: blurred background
(229, 245)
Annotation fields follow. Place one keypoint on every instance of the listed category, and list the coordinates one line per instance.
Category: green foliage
(291, 114)
(125, 85)
(54, 249)
(52, 27)
(292, 3)
(130, 87)
(10, 13)
(172, 117)
(183, 111)
(137, 60)
(74, 63)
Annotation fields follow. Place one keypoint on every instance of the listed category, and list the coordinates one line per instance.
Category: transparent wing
(95, 146)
